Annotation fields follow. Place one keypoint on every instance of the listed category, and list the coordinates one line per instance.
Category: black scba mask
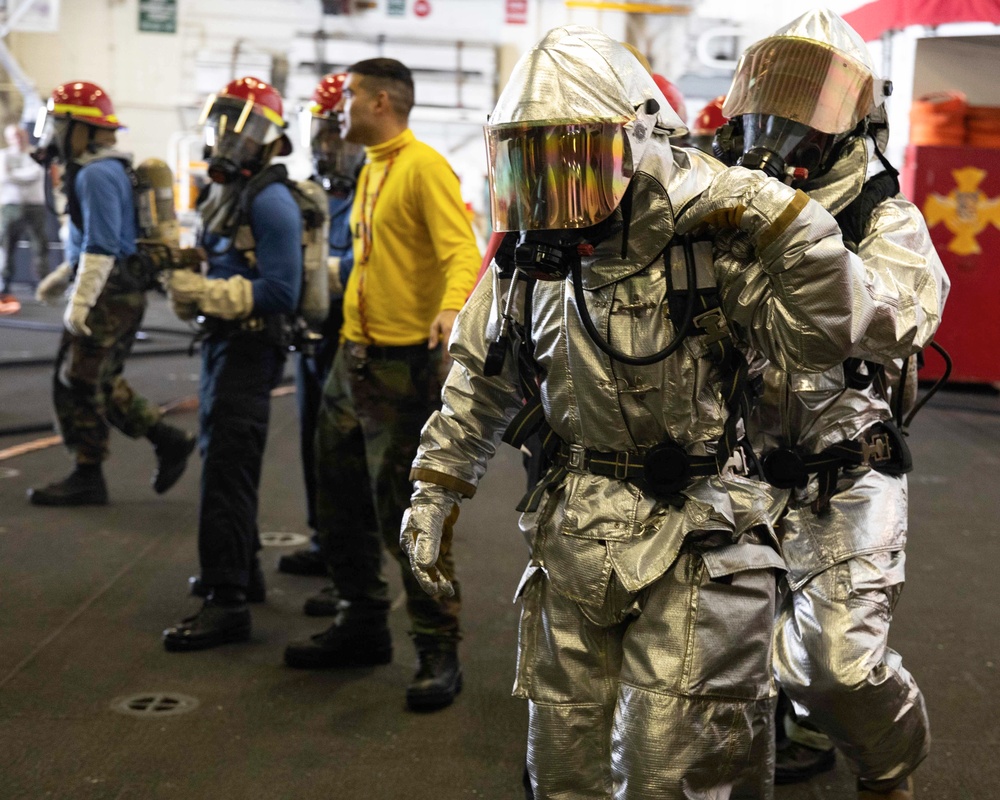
(234, 163)
(550, 255)
(779, 147)
(775, 145)
(335, 162)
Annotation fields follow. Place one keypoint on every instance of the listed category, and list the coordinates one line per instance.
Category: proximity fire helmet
(802, 90)
(569, 130)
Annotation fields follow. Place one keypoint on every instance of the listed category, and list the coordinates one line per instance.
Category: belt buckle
(736, 464)
(876, 450)
(576, 456)
(359, 355)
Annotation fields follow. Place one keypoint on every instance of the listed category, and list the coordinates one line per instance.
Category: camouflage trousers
(368, 428)
(89, 391)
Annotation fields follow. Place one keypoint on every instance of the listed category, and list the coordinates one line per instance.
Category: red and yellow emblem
(966, 211)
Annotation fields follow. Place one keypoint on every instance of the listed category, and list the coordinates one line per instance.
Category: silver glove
(425, 535)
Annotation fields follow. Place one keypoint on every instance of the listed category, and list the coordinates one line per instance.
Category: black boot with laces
(439, 676)
(84, 486)
(223, 618)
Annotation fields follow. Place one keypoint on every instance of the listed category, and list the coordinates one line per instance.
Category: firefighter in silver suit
(607, 327)
(810, 108)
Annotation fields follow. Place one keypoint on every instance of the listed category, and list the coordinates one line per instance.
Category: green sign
(397, 8)
(158, 16)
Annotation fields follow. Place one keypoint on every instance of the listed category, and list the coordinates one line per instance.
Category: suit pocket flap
(733, 558)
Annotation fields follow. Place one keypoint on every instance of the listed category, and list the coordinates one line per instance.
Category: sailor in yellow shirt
(415, 262)
(414, 251)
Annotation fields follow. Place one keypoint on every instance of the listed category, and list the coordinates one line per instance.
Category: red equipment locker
(958, 191)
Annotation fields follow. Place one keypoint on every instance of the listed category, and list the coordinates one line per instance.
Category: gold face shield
(802, 80)
(551, 176)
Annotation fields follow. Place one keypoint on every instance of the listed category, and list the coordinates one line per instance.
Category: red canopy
(874, 19)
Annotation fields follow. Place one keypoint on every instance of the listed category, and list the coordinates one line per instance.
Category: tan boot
(904, 791)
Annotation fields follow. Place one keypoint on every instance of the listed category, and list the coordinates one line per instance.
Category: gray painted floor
(85, 593)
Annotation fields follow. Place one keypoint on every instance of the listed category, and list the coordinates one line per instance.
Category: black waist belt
(276, 328)
(881, 447)
(226, 327)
(663, 469)
(369, 352)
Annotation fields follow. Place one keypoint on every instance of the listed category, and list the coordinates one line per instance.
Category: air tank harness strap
(881, 447)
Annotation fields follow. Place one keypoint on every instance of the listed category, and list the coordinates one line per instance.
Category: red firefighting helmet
(673, 95)
(327, 94)
(250, 108)
(710, 118)
(84, 102)
(336, 163)
(77, 101)
(81, 101)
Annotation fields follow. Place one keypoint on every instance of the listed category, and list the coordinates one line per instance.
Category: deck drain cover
(155, 704)
(283, 539)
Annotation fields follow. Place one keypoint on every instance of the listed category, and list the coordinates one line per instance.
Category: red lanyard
(368, 208)
(365, 233)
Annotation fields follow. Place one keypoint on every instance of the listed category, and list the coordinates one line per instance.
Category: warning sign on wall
(517, 12)
(158, 16)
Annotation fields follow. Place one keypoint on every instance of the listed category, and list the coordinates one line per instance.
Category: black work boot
(223, 618)
(256, 589)
(438, 678)
(359, 637)
(172, 447)
(801, 751)
(325, 603)
(84, 486)
(797, 763)
(307, 561)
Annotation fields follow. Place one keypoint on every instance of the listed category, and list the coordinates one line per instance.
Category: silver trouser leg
(669, 695)
(695, 713)
(568, 669)
(833, 660)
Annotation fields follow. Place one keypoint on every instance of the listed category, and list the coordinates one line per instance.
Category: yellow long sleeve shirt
(414, 251)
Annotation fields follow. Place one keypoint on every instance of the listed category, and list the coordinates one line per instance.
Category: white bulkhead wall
(159, 81)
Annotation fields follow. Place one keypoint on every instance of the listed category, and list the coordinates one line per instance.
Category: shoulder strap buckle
(875, 450)
(713, 322)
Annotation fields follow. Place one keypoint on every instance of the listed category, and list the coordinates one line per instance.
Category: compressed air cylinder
(155, 202)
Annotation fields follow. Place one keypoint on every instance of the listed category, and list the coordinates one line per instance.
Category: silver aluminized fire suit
(845, 566)
(646, 629)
